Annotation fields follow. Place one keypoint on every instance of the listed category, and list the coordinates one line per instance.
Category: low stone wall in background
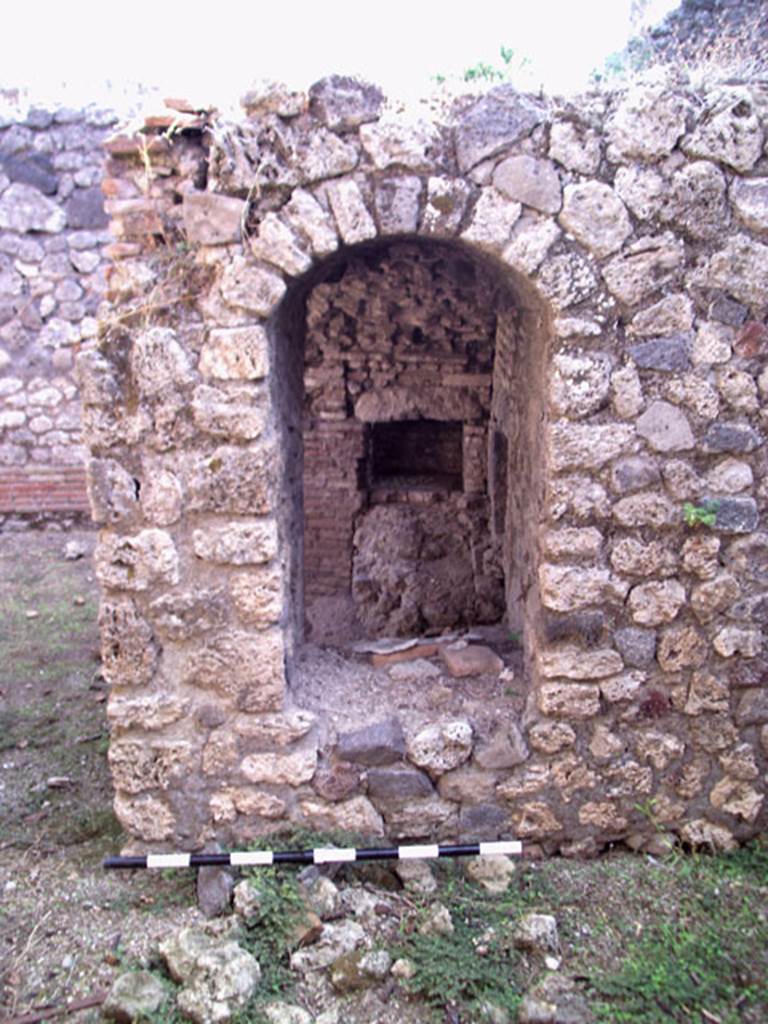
(53, 233)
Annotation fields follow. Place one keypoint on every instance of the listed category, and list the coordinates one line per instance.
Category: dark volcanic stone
(735, 515)
(585, 627)
(728, 311)
(398, 784)
(751, 672)
(85, 209)
(342, 103)
(380, 743)
(481, 822)
(633, 473)
(494, 122)
(636, 646)
(731, 437)
(670, 353)
(214, 887)
(33, 169)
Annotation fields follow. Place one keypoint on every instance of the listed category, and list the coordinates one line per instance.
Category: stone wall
(627, 421)
(52, 240)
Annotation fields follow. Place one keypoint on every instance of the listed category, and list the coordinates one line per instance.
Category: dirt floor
(683, 938)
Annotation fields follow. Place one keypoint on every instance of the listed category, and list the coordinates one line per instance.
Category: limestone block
(535, 820)
(222, 982)
(427, 817)
(628, 779)
(447, 199)
(570, 774)
(680, 648)
(232, 479)
(235, 353)
(440, 747)
(728, 129)
(532, 238)
(343, 103)
(749, 199)
(643, 267)
(652, 604)
(524, 782)
(150, 712)
(706, 693)
(633, 558)
(736, 797)
(573, 543)
(136, 562)
(221, 752)
(605, 744)
(735, 640)
(740, 268)
(138, 765)
(696, 203)
(397, 204)
(575, 146)
(574, 663)
(595, 216)
(268, 97)
(128, 649)
(227, 414)
(254, 288)
(494, 122)
(576, 446)
(353, 220)
(182, 615)
(237, 543)
(97, 379)
(622, 687)
(710, 598)
(569, 700)
(576, 326)
(731, 476)
(254, 802)
(158, 362)
(551, 737)
(712, 344)
(738, 388)
(699, 555)
(467, 785)
(324, 155)
(626, 392)
(276, 243)
(281, 769)
(111, 490)
(244, 669)
(740, 763)
(211, 219)
(401, 144)
(356, 815)
(23, 209)
(493, 218)
(133, 996)
(671, 315)
(603, 815)
(161, 498)
(643, 189)
(753, 707)
(533, 182)
(567, 279)
(665, 428)
(698, 394)
(701, 832)
(713, 733)
(275, 730)
(580, 496)
(649, 508)
(646, 123)
(307, 218)
(145, 817)
(258, 596)
(565, 588)
(580, 382)
(505, 748)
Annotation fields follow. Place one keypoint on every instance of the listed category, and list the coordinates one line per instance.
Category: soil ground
(684, 938)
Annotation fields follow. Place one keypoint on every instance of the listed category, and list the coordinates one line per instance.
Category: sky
(68, 51)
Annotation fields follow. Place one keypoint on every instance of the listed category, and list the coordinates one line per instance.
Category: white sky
(66, 50)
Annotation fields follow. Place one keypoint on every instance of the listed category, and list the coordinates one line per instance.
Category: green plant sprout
(700, 515)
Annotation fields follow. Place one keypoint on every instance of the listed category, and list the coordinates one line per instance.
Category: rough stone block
(136, 562)
(497, 120)
(378, 744)
(245, 669)
(594, 214)
(668, 354)
(211, 219)
(237, 543)
(343, 103)
(525, 179)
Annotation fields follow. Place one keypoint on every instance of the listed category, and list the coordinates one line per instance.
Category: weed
(271, 936)
(700, 515)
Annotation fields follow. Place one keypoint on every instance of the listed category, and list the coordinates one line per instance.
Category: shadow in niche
(409, 382)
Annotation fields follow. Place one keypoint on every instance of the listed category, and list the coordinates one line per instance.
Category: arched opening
(409, 377)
